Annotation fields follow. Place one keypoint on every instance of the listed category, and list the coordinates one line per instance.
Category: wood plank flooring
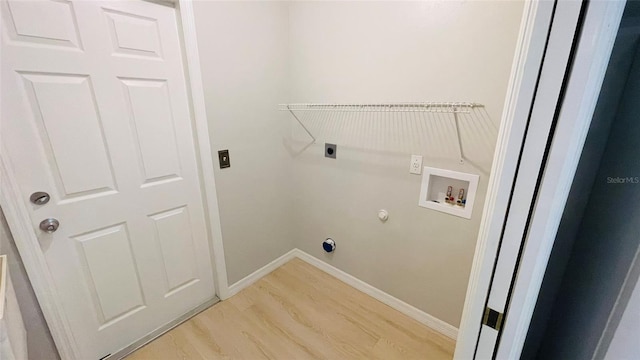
(299, 312)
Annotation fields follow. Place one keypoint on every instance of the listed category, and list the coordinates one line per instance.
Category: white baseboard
(409, 310)
(260, 273)
(434, 323)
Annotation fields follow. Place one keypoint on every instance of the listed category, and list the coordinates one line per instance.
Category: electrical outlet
(330, 150)
(416, 164)
(223, 157)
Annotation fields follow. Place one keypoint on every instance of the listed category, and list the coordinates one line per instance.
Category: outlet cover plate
(223, 157)
(416, 164)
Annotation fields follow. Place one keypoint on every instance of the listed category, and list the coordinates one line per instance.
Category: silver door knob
(39, 198)
(49, 225)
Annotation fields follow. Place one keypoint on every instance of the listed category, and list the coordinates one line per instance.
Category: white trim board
(532, 156)
(411, 311)
(260, 273)
(590, 64)
(536, 20)
(191, 59)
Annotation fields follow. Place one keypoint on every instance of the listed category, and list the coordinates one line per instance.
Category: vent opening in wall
(329, 245)
(448, 191)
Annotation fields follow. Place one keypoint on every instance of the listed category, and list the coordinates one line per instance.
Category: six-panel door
(96, 113)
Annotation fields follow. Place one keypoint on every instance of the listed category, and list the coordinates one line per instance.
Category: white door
(95, 112)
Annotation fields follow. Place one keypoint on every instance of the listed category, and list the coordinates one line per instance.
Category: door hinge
(492, 318)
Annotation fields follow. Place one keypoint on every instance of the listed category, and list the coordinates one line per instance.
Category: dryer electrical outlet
(330, 150)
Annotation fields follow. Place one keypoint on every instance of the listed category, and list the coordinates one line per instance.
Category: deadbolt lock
(39, 198)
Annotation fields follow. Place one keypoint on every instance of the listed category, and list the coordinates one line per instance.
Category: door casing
(581, 94)
(536, 22)
(549, 89)
(586, 75)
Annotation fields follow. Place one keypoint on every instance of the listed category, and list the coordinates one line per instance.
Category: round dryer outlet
(329, 245)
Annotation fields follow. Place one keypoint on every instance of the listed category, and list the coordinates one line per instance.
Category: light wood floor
(299, 312)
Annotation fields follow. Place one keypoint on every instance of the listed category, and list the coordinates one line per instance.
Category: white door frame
(191, 59)
(17, 215)
(599, 30)
(534, 30)
(590, 63)
(560, 44)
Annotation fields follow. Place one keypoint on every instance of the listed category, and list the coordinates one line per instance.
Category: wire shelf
(437, 107)
(302, 113)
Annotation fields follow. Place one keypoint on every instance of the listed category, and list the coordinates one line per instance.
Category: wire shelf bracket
(288, 108)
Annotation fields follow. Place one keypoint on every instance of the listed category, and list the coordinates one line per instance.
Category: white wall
(40, 344)
(244, 59)
(256, 55)
(350, 52)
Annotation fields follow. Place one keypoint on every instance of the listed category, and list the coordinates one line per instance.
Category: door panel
(97, 114)
(149, 107)
(133, 35)
(115, 287)
(59, 102)
(51, 23)
(176, 243)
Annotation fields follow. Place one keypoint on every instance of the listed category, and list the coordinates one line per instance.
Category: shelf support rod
(460, 153)
(301, 124)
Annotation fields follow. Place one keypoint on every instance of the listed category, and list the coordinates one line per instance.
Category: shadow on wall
(400, 133)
